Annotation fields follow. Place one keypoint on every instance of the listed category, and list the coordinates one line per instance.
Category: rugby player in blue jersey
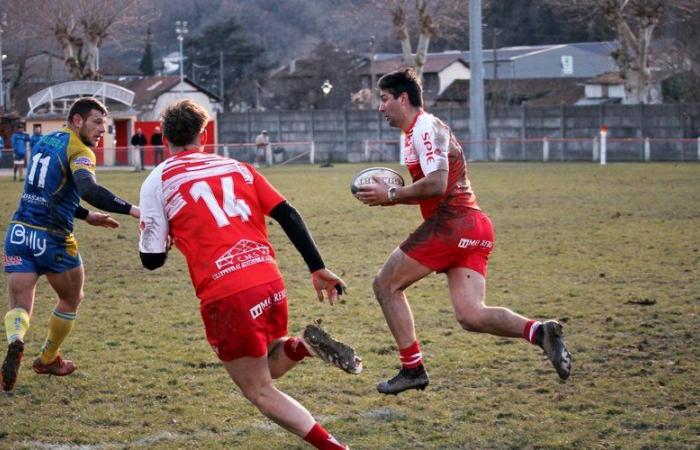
(19, 140)
(40, 241)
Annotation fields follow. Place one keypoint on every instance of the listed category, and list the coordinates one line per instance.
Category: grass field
(613, 252)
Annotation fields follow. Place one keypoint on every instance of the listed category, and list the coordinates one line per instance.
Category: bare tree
(635, 22)
(425, 18)
(79, 27)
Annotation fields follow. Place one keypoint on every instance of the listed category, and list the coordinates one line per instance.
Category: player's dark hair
(84, 105)
(403, 80)
(183, 121)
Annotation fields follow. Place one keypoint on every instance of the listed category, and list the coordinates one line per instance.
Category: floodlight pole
(477, 109)
(373, 75)
(221, 77)
(181, 30)
(3, 24)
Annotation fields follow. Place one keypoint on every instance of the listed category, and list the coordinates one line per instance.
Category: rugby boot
(553, 346)
(415, 378)
(10, 367)
(59, 367)
(328, 349)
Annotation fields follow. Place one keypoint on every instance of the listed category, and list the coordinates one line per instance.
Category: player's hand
(325, 280)
(98, 219)
(135, 212)
(376, 194)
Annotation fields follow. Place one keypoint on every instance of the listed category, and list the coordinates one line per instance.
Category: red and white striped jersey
(213, 209)
(430, 145)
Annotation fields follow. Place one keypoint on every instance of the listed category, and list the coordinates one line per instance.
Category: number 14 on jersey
(232, 207)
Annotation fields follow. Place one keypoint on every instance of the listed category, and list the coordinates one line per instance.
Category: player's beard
(85, 137)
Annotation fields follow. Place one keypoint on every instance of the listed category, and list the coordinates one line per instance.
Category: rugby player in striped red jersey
(455, 238)
(213, 209)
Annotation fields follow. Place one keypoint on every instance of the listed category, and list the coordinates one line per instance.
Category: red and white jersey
(429, 145)
(213, 209)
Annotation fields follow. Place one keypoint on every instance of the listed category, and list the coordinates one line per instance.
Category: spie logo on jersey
(83, 161)
(430, 153)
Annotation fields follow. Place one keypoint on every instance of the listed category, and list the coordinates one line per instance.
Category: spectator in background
(138, 141)
(2, 144)
(20, 139)
(36, 136)
(262, 149)
(157, 143)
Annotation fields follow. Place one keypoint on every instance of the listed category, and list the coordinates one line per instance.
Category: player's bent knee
(471, 322)
(261, 396)
(383, 290)
(74, 302)
(377, 288)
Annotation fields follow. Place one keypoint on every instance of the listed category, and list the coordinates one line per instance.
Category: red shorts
(245, 323)
(452, 237)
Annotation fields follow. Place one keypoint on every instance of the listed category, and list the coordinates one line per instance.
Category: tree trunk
(427, 31)
(398, 16)
(632, 57)
(89, 66)
(71, 49)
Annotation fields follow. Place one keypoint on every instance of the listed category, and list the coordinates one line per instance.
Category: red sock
(295, 349)
(322, 440)
(411, 356)
(530, 331)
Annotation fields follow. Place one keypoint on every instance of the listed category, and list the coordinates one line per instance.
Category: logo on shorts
(257, 310)
(466, 243)
(22, 236)
(11, 260)
(244, 254)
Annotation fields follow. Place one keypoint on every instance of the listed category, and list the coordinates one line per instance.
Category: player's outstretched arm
(99, 196)
(293, 225)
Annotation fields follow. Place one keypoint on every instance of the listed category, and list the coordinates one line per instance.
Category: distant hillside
(292, 28)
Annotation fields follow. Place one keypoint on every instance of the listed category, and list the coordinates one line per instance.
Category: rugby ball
(367, 176)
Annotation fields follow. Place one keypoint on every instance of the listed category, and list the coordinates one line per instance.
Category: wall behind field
(343, 135)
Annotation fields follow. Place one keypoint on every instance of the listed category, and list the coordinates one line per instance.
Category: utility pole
(373, 75)
(221, 78)
(477, 110)
(3, 24)
(494, 34)
(181, 30)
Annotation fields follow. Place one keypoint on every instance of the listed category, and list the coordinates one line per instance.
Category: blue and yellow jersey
(19, 142)
(50, 196)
